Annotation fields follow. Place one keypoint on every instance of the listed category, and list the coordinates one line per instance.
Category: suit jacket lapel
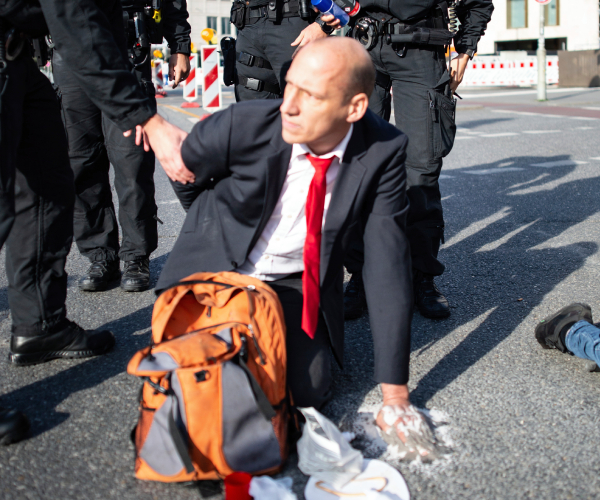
(277, 167)
(344, 191)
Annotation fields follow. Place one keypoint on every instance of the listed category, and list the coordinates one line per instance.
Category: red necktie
(315, 205)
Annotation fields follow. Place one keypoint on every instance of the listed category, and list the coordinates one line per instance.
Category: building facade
(210, 14)
(570, 25)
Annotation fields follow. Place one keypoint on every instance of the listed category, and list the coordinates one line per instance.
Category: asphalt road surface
(522, 210)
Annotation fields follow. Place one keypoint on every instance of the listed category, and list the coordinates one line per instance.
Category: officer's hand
(179, 68)
(165, 140)
(311, 32)
(457, 70)
(331, 20)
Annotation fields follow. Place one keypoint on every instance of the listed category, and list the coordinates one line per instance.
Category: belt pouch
(238, 15)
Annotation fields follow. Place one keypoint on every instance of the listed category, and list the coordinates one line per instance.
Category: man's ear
(358, 107)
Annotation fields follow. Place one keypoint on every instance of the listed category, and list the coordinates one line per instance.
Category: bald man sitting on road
(281, 189)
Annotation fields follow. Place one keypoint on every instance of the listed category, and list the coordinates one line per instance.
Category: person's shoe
(13, 426)
(136, 275)
(70, 342)
(355, 301)
(100, 275)
(429, 300)
(550, 332)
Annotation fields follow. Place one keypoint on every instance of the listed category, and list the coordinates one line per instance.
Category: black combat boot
(355, 302)
(13, 426)
(100, 275)
(429, 300)
(68, 340)
(551, 332)
(136, 275)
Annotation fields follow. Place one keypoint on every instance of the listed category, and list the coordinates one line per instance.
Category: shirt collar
(339, 150)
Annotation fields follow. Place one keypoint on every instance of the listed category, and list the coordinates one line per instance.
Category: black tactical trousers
(425, 113)
(95, 142)
(271, 42)
(36, 199)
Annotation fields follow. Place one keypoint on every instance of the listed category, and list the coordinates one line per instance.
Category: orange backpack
(213, 400)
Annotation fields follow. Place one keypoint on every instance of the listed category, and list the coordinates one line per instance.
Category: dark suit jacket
(240, 162)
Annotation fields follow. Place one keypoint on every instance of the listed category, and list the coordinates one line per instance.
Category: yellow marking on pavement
(180, 110)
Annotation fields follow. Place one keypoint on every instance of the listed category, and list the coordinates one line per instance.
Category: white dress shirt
(278, 252)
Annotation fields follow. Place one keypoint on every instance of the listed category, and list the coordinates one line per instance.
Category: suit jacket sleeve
(206, 153)
(387, 272)
(85, 37)
(177, 29)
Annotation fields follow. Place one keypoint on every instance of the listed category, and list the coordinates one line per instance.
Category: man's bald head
(328, 89)
(345, 59)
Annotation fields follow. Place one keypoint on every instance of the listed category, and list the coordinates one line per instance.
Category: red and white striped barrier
(190, 86)
(158, 78)
(493, 71)
(211, 84)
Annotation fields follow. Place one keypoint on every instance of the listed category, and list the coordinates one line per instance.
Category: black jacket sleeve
(177, 29)
(83, 36)
(474, 16)
(387, 272)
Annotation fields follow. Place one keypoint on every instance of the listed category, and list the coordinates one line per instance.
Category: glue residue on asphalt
(369, 441)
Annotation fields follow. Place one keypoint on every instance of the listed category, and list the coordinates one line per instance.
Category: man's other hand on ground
(165, 140)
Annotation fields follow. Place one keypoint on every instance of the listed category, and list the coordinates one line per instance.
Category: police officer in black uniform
(407, 41)
(95, 142)
(36, 181)
(269, 32)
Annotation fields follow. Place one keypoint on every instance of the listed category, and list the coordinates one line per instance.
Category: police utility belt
(367, 30)
(247, 11)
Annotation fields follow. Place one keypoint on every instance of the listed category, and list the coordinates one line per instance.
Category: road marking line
(585, 128)
(487, 171)
(444, 176)
(541, 131)
(174, 108)
(194, 120)
(462, 138)
(502, 134)
(595, 158)
(170, 202)
(447, 197)
(580, 118)
(525, 92)
(512, 111)
(467, 131)
(559, 163)
(592, 108)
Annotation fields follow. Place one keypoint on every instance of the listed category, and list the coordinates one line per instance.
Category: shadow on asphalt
(530, 197)
(481, 123)
(39, 400)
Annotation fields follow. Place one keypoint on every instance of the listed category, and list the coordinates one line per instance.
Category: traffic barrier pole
(211, 85)
(190, 86)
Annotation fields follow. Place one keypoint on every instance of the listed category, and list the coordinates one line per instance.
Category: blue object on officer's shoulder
(329, 7)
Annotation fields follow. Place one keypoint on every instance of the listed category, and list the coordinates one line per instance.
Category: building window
(551, 15)
(211, 22)
(225, 26)
(516, 13)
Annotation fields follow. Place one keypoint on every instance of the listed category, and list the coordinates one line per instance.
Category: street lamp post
(541, 54)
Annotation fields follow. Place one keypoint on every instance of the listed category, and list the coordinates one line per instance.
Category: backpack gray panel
(249, 442)
(176, 386)
(158, 362)
(226, 336)
(159, 451)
